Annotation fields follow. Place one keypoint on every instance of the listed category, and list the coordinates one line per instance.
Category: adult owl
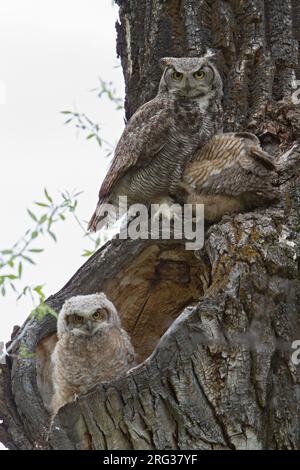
(229, 174)
(92, 347)
(163, 134)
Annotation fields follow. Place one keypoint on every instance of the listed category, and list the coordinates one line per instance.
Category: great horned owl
(229, 174)
(92, 347)
(163, 134)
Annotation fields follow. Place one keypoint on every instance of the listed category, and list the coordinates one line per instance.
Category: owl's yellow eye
(78, 320)
(199, 75)
(99, 314)
(177, 75)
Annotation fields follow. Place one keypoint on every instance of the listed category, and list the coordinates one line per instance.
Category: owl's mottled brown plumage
(229, 174)
(163, 134)
(90, 352)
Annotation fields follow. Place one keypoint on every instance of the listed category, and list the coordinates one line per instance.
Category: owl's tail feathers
(101, 218)
(265, 177)
(94, 222)
(264, 158)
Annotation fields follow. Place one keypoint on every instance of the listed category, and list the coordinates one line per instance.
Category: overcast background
(51, 53)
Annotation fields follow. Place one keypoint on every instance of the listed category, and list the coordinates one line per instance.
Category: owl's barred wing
(143, 137)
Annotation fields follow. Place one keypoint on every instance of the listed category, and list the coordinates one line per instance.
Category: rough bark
(213, 329)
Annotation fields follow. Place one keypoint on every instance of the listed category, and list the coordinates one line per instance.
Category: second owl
(92, 347)
(229, 174)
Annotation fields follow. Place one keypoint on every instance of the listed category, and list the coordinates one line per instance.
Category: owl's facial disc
(88, 325)
(194, 83)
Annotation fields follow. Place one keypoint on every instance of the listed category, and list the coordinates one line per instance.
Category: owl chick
(229, 174)
(163, 134)
(92, 347)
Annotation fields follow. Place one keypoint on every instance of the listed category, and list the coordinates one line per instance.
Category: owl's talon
(170, 213)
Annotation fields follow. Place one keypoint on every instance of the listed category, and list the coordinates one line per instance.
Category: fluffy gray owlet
(163, 134)
(92, 347)
(229, 174)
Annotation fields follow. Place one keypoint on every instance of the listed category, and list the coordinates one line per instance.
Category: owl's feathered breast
(190, 126)
(162, 133)
(82, 361)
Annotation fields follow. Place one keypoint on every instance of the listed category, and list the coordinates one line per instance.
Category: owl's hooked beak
(187, 86)
(89, 325)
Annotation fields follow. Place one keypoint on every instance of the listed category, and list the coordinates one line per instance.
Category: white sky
(51, 55)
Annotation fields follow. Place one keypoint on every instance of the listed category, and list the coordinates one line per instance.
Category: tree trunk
(213, 329)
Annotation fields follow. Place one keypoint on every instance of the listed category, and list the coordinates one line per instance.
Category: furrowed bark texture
(213, 329)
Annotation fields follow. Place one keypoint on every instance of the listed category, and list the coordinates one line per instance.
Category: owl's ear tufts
(166, 62)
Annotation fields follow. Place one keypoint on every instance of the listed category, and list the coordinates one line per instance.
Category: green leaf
(48, 196)
(43, 309)
(38, 290)
(87, 253)
(90, 136)
(62, 217)
(52, 235)
(52, 312)
(34, 235)
(50, 222)
(20, 269)
(13, 287)
(42, 204)
(36, 250)
(32, 215)
(26, 258)
(39, 287)
(66, 112)
(6, 252)
(78, 193)
(43, 219)
(23, 292)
